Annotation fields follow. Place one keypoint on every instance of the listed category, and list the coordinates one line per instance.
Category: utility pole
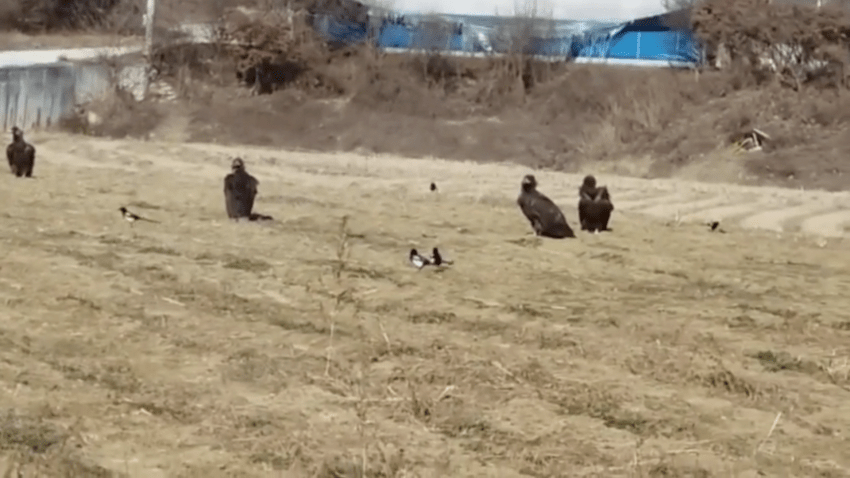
(148, 51)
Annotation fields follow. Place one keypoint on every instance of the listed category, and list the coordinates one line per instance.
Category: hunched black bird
(20, 154)
(594, 206)
(240, 189)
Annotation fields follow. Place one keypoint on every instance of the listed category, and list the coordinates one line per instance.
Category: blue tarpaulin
(650, 39)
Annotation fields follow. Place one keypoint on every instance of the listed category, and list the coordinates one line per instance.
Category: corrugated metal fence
(39, 95)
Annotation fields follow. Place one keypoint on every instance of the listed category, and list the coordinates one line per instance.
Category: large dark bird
(21, 155)
(545, 217)
(588, 187)
(594, 206)
(240, 189)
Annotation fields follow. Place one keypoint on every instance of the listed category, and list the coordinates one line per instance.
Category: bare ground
(199, 347)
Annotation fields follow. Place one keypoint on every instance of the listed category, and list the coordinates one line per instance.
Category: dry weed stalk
(361, 408)
(342, 248)
(769, 433)
(342, 294)
(636, 465)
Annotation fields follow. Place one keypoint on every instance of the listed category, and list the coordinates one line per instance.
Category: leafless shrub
(275, 48)
(115, 114)
(518, 36)
(796, 44)
(121, 16)
(10, 11)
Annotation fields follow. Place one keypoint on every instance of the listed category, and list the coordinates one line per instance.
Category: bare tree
(521, 37)
(434, 33)
(530, 22)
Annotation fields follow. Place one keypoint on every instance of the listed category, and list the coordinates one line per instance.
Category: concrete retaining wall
(40, 95)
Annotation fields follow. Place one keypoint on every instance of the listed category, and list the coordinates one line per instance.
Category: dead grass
(115, 114)
(310, 348)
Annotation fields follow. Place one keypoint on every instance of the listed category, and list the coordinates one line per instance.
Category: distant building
(663, 40)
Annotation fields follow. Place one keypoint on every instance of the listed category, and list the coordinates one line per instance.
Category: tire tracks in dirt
(818, 213)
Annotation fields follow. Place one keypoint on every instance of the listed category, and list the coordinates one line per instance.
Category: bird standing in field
(545, 217)
(437, 258)
(132, 218)
(20, 154)
(714, 226)
(240, 189)
(594, 206)
(417, 260)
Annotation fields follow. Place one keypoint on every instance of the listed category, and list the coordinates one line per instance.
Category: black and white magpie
(437, 258)
(417, 260)
(131, 218)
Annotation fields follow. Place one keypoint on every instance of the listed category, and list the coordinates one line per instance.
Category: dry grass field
(307, 347)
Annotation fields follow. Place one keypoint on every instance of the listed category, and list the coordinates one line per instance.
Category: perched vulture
(21, 155)
(545, 217)
(240, 189)
(594, 206)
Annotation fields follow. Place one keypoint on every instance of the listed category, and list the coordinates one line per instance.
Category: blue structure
(662, 39)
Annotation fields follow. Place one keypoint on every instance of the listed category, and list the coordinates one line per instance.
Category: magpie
(714, 226)
(131, 218)
(417, 260)
(437, 258)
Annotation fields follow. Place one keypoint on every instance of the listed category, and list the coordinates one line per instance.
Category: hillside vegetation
(645, 122)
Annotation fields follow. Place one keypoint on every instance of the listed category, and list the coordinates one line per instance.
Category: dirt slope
(198, 347)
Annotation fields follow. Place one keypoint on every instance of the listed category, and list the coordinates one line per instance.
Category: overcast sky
(563, 9)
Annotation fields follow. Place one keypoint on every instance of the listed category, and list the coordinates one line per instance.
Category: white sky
(562, 9)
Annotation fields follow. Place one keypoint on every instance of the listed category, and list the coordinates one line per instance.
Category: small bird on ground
(714, 225)
(417, 260)
(437, 258)
(131, 218)
(433, 187)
